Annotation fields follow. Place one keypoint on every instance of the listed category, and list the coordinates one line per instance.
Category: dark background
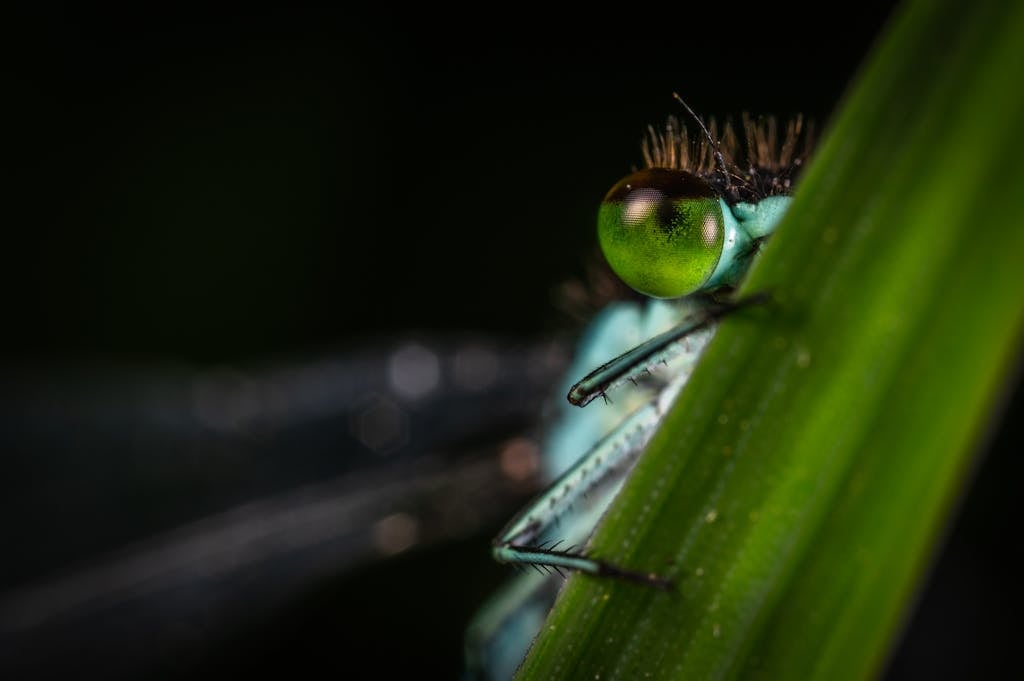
(197, 190)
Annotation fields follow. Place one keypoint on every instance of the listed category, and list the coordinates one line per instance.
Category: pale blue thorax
(745, 223)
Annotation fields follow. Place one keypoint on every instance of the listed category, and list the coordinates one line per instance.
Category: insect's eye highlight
(662, 231)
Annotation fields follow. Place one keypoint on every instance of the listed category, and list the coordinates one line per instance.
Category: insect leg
(688, 338)
(599, 473)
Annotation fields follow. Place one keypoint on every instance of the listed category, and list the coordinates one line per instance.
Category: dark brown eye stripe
(673, 184)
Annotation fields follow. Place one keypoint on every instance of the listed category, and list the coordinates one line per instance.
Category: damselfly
(683, 230)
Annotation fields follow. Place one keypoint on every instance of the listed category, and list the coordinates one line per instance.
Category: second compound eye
(662, 231)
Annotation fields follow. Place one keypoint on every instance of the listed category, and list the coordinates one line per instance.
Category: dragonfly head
(662, 231)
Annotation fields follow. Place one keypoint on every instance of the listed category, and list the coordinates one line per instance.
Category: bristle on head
(764, 162)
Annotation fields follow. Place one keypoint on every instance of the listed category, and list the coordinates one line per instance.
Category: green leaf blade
(798, 488)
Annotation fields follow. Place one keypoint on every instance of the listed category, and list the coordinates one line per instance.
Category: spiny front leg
(688, 338)
(576, 501)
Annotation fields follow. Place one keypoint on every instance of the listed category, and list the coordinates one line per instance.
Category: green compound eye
(662, 231)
